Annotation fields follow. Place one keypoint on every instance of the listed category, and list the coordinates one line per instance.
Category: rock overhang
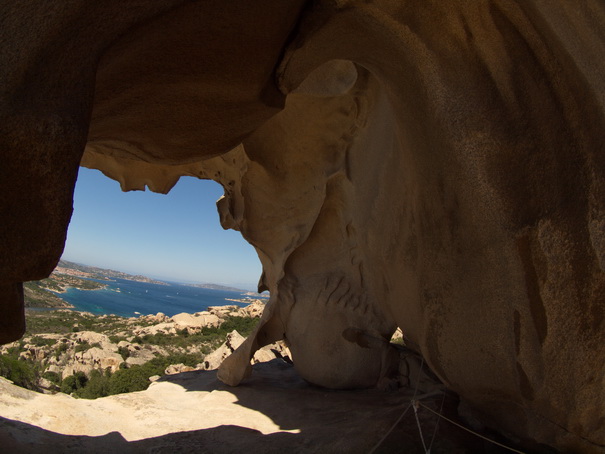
(444, 175)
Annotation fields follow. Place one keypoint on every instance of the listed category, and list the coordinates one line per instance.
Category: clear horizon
(175, 237)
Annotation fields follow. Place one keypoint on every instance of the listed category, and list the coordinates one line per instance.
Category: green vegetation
(96, 386)
(134, 378)
(209, 337)
(21, 373)
(124, 352)
(35, 295)
(61, 348)
(52, 377)
(117, 339)
(243, 325)
(83, 347)
(40, 341)
(99, 383)
(67, 321)
(74, 382)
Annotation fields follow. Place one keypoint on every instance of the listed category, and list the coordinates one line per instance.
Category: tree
(74, 382)
(21, 373)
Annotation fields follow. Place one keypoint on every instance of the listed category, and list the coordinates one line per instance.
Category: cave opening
(174, 237)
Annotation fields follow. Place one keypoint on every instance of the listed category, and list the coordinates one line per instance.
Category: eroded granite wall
(428, 165)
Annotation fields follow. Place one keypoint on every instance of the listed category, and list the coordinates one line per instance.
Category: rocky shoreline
(44, 293)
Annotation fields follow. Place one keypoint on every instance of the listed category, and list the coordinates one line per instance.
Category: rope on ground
(438, 419)
(415, 406)
(377, 445)
(417, 403)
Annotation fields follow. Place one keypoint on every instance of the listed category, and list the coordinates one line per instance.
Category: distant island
(215, 287)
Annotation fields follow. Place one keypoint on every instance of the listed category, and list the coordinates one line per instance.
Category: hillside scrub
(53, 338)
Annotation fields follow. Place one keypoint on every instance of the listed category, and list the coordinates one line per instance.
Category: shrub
(62, 348)
(83, 347)
(21, 373)
(14, 351)
(40, 341)
(74, 382)
(124, 352)
(53, 377)
(96, 386)
(116, 339)
(243, 325)
(129, 380)
(68, 385)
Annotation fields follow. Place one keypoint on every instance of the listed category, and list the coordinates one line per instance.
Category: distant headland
(91, 272)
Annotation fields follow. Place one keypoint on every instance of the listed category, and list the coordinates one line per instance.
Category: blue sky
(174, 237)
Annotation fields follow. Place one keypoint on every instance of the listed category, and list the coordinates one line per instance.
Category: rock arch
(434, 166)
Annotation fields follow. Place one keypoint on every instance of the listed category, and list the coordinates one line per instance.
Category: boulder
(254, 309)
(164, 327)
(197, 320)
(177, 369)
(92, 337)
(46, 385)
(74, 367)
(234, 340)
(53, 368)
(93, 358)
(213, 360)
(139, 355)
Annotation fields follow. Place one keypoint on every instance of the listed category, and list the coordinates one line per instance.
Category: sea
(132, 298)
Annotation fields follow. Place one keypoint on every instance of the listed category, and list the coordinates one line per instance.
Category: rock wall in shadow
(433, 166)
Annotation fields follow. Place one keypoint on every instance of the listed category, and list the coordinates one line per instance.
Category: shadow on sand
(326, 421)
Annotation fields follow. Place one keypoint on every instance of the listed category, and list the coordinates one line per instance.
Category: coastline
(127, 298)
(71, 286)
(67, 287)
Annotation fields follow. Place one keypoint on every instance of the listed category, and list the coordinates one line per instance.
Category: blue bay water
(125, 298)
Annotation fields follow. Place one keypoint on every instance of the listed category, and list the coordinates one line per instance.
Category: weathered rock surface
(234, 340)
(434, 166)
(85, 351)
(177, 369)
(255, 308)
(197, 320)
(273, 411)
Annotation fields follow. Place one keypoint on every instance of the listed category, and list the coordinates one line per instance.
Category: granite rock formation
(433, 166)
(194, 412)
